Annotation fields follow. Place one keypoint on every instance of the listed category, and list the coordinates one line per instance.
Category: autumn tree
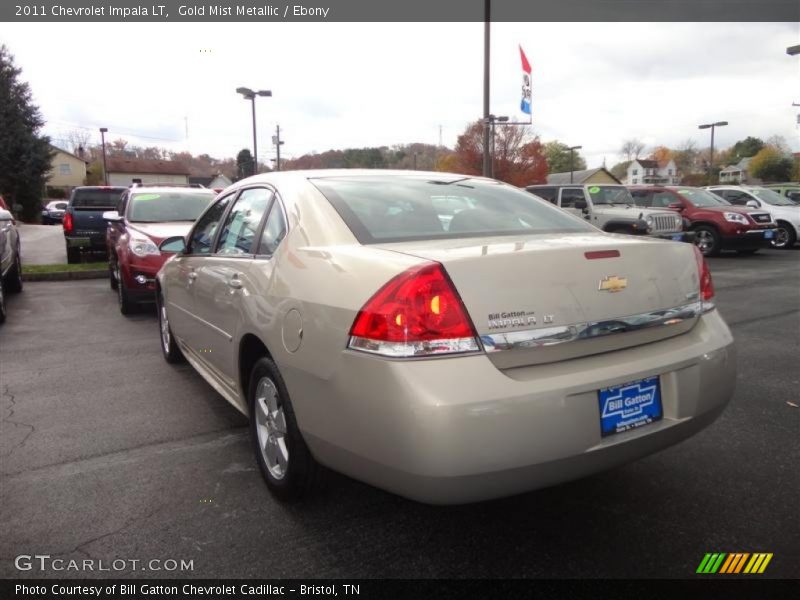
(685, 156)
(771, 165)
(519, 155)
(631, 149)
(559, 159)
(661, 154)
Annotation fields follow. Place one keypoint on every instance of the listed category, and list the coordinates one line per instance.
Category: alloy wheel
(781, 237)
(704, 240)
(271, 428)
(164, 322)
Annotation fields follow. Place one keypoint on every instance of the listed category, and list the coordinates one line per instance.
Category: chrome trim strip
(551, 336)
(203, 321)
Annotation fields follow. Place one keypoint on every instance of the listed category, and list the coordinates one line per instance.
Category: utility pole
(276, 139)
(103, 131)
(487, 161)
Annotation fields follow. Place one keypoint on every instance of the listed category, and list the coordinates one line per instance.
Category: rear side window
(239, 234)
(206, 227)
(388, 209)
(97, 198)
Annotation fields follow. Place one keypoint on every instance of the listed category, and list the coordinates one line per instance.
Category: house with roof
(67, 170)
(125, 171)
(644, 171)
(737, 174)
(599, 175)
(214, 182)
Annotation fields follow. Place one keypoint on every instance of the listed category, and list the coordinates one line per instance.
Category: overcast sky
(340, 85)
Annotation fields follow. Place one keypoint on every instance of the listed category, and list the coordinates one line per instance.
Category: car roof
(166, 188)
(278, 176)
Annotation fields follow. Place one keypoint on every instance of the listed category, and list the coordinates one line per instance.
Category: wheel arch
(251, 348)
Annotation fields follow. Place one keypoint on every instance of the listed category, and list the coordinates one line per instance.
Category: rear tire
(785, 237)
(285, 461)
(73, 255)
(14, 277)
(169, 347)
(707, 240)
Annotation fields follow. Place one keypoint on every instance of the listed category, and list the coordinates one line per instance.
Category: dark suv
(84, 227)
(717, 224)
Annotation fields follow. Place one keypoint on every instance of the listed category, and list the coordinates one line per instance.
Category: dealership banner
(367, 589)
(408, 10)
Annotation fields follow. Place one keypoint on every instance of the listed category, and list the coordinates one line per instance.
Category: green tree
(24, 154)
(749, 146)
(620, 170)
(245, 165)
(558, 159)
(771, 165)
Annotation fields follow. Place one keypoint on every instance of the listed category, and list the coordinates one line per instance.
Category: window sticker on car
(140, 197)
(594, 189)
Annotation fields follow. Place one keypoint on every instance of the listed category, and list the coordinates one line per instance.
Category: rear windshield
(99, 198)
(159, 207)
(394, 209)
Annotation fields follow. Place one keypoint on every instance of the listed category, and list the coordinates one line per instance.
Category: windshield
(771, 197)
(97, 198)
(610, 194)
(160, 207)
(702, 198)
(393, 209)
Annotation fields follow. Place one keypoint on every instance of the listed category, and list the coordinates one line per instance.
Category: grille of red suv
(761, 217)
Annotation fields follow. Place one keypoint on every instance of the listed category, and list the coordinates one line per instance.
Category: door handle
(235, 283)
(192, 276)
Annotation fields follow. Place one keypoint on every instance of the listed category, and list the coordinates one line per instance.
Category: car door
(224, 277)
(183, 317)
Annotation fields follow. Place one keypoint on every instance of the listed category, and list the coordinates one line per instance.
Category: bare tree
(78, 140)
(631, 149)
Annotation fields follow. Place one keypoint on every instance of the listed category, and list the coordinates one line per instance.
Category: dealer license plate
(634, 404)
(768, 235)
(677, 237)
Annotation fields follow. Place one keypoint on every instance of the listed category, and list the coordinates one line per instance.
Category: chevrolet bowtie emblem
(612, 284)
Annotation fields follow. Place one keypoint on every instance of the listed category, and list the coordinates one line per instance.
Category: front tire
(169, 347)
(112, 275)
(2, 302)
(126, 305)
(282, 455)
(785, 236)
(707, 240)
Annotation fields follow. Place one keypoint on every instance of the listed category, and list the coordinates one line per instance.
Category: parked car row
(10, 259)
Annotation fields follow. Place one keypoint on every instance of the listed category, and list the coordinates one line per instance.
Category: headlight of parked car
(735, 218)
(143, 247)
(649, 221)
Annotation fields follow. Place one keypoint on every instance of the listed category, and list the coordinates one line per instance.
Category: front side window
(399, 208)
(239, 234)
(571, 195)
(164, 207)
(206, 228)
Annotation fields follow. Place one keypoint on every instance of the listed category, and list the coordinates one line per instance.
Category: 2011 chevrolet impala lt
(447, 338)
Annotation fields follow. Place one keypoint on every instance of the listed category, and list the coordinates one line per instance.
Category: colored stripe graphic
(734, 562)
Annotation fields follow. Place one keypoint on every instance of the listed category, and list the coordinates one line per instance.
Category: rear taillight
(418, 313)
(67, 223)
(706, 284)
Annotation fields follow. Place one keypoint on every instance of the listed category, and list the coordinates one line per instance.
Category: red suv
(145, 217)
(717, 224)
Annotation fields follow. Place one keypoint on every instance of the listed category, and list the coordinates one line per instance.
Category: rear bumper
(89, 242)
(455, 430)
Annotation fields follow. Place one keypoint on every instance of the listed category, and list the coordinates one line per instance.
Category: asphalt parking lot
(107, 452)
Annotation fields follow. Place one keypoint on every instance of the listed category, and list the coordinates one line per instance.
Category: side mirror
(6, 215)
(173, 244)
(676, 206)
(753, 204)
(580, 204)
(112, 216)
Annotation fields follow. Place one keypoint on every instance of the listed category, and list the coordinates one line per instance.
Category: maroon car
(145, 217)
(717, 224)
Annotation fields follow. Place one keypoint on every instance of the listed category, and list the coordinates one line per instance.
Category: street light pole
(711, 151)
(487, 165)
(571, 159)
(103, 131)
(490, 121)
(249, 94)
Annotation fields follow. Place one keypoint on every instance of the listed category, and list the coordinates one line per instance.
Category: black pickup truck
(84, 227)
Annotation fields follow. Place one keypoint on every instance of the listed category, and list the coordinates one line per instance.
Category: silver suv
(612, 208)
